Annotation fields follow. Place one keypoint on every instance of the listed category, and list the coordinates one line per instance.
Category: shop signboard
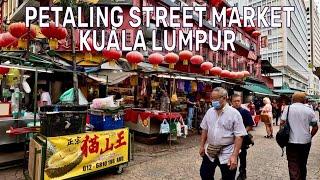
(79, 154)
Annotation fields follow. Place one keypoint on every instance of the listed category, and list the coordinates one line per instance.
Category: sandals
(268, 137)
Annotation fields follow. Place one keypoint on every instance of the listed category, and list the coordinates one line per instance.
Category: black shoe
(242, 176)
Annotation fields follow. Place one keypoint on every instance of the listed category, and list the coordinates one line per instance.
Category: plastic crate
(66, 121)
(106, 122)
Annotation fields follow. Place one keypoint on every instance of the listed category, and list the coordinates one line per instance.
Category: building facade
(286, 48)
(313, 21)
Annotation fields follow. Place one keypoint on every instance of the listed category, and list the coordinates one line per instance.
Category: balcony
(20, 12)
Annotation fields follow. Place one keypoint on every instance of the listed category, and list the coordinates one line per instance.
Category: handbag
(283, 134)
(265, 118)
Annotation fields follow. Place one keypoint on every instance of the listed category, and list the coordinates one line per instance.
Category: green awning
(259, 89)
(285, 89)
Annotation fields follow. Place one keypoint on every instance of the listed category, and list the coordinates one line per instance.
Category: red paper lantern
(172, 59)
(3, 70)
(225, 74)
(256, 33)
(240, 75)
(229, 12)
(54, 34)
(185, 56)
(20, 31)
(215, 71)
(134, 58)
(206, 66)
(155, 59)
(111, 55)
(8, 41)
(246, 73)
(196, 59)
(233, 75)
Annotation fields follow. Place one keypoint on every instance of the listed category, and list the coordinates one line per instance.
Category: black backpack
(283, 134)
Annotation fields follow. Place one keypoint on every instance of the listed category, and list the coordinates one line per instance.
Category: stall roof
(285, 89)
(266, 67)
(258, 89)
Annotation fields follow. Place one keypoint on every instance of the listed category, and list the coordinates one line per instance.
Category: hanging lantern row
(185, 56)
(206, 66)
(111, 56)
(134, 58)
(217, 71)
(172, 59)
(155, 59)
(54, 34)
(7, 41)
(196, 60)
(20, 31)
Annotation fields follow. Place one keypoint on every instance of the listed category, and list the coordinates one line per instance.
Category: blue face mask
(216, 104)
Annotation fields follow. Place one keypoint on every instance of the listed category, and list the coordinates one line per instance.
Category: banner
(79, 154)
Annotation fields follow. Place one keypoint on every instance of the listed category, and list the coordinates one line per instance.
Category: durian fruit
(63, 161)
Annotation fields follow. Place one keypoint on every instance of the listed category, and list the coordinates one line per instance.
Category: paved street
(182, 161)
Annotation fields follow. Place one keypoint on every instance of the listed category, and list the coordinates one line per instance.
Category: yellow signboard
(79, 154)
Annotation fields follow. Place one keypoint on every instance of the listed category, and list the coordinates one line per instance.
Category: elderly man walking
(300, 118)
(221, 138)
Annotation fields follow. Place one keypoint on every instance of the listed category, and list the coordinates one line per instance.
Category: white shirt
(301, 117)
(222, 130)
(45, 97)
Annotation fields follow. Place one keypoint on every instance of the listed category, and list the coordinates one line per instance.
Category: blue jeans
(190, 116)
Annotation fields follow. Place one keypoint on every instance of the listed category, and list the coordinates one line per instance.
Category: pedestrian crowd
(226, 126)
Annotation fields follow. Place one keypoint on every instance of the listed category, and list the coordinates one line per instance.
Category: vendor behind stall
(164, 102)
(45, 98)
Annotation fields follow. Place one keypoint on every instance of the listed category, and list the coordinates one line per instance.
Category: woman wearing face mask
(267, 111)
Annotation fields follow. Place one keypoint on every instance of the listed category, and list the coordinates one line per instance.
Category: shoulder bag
(283, 134)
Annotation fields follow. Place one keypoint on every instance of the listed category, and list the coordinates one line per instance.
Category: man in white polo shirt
(221, 138)
(300, 119)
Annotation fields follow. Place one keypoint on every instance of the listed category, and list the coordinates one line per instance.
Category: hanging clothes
(187, 87)
(194, 86)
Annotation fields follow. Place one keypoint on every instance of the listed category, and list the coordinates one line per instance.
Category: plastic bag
(178, 124)
(68, 97)
(103, 103)
(164, 127)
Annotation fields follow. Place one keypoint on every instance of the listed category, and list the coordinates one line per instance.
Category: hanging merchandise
(134, 79)
(173, 131)
(178, 124)
(13, 77)
(174, 97)
(25, 85)
(194, 86)
(201, 86)
(143, 88)
(187, 87)
(4, 70)
(164, 127)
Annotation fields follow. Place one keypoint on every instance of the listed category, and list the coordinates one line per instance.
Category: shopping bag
(164, 127)
(178, 124)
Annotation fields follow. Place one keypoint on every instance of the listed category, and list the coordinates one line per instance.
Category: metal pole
(35, 107)
(107, 86)
(75, 76)
(311, 33)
